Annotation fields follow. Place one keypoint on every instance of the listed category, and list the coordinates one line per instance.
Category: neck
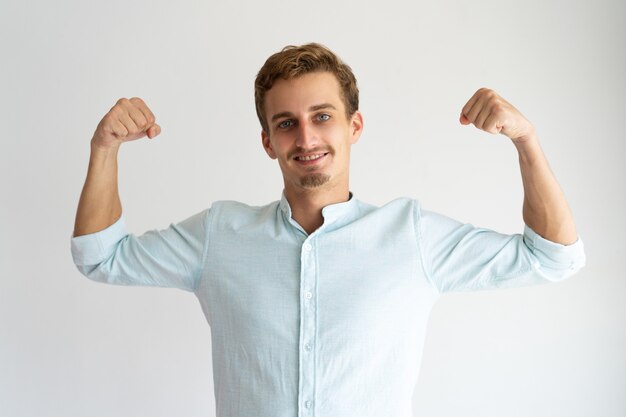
(307, 204)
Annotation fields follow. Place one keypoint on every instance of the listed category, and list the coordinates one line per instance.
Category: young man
(318, 302)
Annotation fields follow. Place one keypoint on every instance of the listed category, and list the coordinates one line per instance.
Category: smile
(310, 157)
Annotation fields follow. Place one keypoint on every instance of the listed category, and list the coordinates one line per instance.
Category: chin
(314, 180)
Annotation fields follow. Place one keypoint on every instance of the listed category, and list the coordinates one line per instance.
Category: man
(318, 302)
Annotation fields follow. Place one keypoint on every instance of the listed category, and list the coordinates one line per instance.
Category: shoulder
(237, 213)
(411, 210)
(395, 205)
(240, 206)
(401, 207)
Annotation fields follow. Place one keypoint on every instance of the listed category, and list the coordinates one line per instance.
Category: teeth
(310, 158)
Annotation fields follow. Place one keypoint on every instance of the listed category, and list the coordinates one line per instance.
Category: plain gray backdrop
(70, 347)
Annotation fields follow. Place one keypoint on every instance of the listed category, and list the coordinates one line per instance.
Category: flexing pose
(318, 302)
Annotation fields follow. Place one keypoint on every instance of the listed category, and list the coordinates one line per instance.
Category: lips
(311, 160)
(311, 157)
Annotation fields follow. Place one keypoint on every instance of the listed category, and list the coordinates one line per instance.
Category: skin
(545, 209)
(99, 205)
(307, 117)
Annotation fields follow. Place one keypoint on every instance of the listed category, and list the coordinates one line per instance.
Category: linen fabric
(327, 324)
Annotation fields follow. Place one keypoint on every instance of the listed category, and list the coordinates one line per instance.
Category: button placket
(308, 276)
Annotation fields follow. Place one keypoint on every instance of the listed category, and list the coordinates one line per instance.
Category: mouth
(310, 159)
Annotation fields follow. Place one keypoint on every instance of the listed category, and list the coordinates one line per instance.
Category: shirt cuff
(571, 257)
(93, 248)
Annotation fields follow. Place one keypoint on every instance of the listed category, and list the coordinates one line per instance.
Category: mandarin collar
(330, 212)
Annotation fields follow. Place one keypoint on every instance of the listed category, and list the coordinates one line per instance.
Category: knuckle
(109, 118)
(121, 132)
(486, 92)
(115, 113)
(136, 100)
(122, 100)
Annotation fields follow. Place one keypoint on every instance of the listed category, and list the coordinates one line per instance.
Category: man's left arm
(545, 208)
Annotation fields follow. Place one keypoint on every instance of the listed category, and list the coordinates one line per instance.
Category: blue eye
(324, 116)
(285, 124)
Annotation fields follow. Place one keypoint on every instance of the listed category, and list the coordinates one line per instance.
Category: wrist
(99, 148)
(528, 148)
(528, 136)
(103, 157)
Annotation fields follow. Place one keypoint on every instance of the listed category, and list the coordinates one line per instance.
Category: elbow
(552, 260)
(562, 269)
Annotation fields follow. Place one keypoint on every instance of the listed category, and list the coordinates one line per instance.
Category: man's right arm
(102, 248)
(99, 205)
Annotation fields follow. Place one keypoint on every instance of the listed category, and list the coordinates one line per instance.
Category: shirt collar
(330, 213)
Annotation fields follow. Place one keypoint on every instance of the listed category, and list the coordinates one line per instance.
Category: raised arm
(99, 205)
(102, 247)
(545, 208)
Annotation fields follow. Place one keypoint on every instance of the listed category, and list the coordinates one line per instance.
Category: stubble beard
(314, 180)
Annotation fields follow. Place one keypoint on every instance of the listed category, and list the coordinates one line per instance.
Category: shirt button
(307, 347)
(308, 247)
(307, 404)
(308, 294)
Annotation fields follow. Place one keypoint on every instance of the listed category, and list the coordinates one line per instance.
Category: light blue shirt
(330, 324)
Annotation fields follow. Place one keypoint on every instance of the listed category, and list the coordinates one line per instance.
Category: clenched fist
(489, 112)
(127, 120)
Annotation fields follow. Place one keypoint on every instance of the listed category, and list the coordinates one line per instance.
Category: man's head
(295, 61)
(307, 103)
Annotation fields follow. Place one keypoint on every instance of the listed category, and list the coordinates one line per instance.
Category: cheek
(282, 145)
(342, 140)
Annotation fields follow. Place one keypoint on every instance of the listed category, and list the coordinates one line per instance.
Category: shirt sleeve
(460, 257)
(171, 257)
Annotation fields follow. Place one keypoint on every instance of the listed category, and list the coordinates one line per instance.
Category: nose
(307, 135)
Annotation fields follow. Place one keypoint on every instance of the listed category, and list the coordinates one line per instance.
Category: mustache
(300, 151)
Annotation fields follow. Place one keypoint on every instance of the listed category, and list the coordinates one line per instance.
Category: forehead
(300, 93)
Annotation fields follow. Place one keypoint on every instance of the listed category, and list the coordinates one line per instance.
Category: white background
(72, 347)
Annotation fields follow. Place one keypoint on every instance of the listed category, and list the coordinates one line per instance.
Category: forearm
(99, 205)
(545, 208)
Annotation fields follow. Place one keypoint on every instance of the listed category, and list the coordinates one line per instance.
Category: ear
(267, 145)
(356, 127)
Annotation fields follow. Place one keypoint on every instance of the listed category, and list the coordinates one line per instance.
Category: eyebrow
(311, 109)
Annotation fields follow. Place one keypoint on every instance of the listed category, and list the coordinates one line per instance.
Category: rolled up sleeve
(171, 257)
(461, 257)
(552, 260)
(95, 247)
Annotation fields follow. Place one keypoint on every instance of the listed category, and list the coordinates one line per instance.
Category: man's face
(309, 133)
